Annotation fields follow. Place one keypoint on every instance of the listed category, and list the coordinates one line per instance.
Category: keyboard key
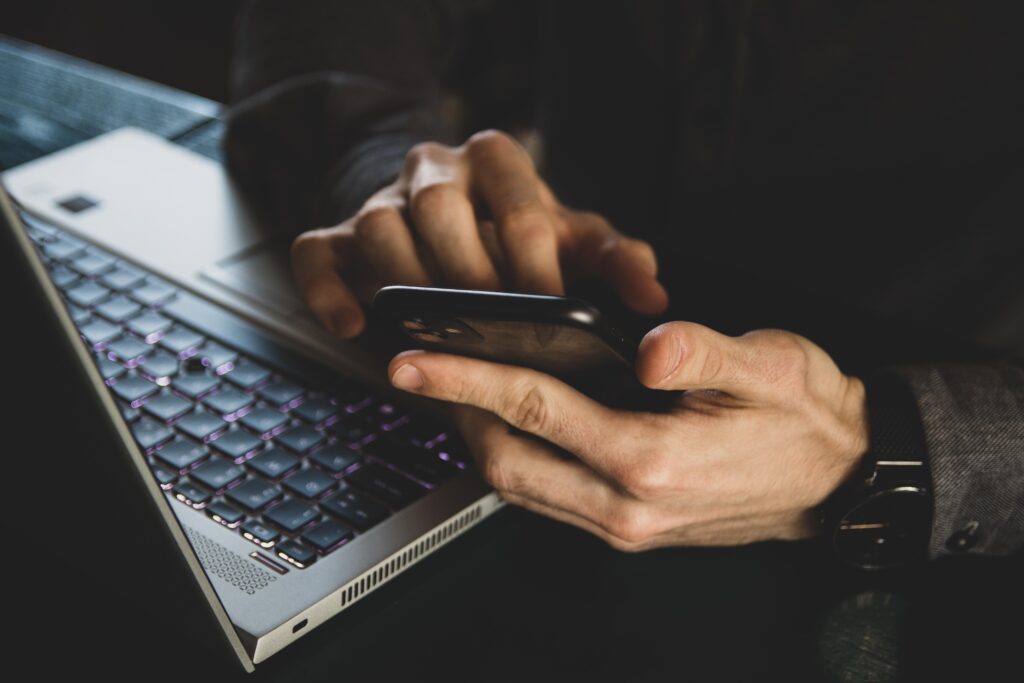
(327, 535)
(237, 444)
(63, 277)
(300, 439)
(274, 463)
(128, 413)
(388, 486)
(291, 515)
(78, 314)
(356, 509)
(182, 341)
(109, 369)
(122, 277)
(93, 265)
(194, 384)
(295, 553)
(134, 389)
(128, 349)
(309, 483)
(215, 356)
(167, 406)
(217, 474)
(317, 411)
(335, 459)
(201, 426)
(264, 421)
(247, 375)
(99, 332)
(153, 293)
(181, 455)
(222, 513)
(228, 400)
(150, 433)
(261, 535)
(88, 294)
(418, 462)
(149, 325)
(160, 367)
(164, 477)
(280, 393)
(118, 308)
(350, 430)
(191, 495)
(63, 248)
(253, 494)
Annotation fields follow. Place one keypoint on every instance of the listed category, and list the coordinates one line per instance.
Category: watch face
(887, 529)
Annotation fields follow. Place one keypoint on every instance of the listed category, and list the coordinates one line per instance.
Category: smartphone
(564, 337)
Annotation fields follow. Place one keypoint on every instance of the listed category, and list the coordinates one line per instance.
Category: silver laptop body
(170, 212)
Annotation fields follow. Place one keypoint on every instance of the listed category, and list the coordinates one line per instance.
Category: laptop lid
(89, 460)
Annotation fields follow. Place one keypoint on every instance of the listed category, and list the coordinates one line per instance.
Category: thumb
(684, 355)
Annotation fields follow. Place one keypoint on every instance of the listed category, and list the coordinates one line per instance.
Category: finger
(386, 245)
(684, 355)
(627, 264)
(526, 399)
(529, 474)
(445, 222)
(504, 177)
(316, 263)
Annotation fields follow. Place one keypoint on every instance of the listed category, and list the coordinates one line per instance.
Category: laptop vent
(237, 570)
(403, 559)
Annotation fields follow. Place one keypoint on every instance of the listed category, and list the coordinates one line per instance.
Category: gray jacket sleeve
(973, 419)
(329, 96)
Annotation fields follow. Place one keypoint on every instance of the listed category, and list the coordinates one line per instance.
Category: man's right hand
(471, 217)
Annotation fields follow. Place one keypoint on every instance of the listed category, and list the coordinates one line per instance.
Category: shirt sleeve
(329, 96)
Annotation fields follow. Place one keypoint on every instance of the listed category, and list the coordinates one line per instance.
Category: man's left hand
(767, 428)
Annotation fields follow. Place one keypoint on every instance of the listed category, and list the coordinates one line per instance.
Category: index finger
(315, 266)
(504, 177)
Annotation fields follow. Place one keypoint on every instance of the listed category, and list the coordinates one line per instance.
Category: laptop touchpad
(261, 274)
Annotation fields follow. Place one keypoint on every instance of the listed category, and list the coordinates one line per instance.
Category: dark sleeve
(973, 422)
(329, 96)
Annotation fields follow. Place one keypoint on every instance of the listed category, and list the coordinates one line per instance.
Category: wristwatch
(881, 518)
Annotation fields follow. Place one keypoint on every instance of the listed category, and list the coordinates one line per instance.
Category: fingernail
(407, 377)
(674, 360)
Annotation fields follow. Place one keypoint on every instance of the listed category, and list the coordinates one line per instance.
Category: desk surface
(519, 597)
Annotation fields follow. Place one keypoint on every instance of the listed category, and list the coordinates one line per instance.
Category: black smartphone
(564, 337)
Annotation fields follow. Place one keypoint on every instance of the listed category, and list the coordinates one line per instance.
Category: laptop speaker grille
(403, 559)
(240, 572)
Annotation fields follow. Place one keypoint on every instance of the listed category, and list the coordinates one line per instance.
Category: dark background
(734, 614)
(185, 44)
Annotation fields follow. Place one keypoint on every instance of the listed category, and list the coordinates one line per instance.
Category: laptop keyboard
(295, 467)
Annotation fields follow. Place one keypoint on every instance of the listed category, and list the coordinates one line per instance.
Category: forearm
(330, 96)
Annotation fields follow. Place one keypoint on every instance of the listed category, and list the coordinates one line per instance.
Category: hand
(767, 428)
(471, 217)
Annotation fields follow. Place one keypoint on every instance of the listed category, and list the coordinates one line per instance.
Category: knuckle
(649, 478)
(527, 221)
(631, 525)
(373, 222)
(529, 410)
(490, 140)
(420, 153)
(495, 470)
(433, 199)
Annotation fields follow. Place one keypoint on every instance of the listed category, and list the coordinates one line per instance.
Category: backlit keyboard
(296, 466)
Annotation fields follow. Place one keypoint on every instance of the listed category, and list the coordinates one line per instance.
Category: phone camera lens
(414, 324)
(453, 330)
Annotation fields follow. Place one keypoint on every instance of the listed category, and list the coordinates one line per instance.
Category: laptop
(229, 449)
